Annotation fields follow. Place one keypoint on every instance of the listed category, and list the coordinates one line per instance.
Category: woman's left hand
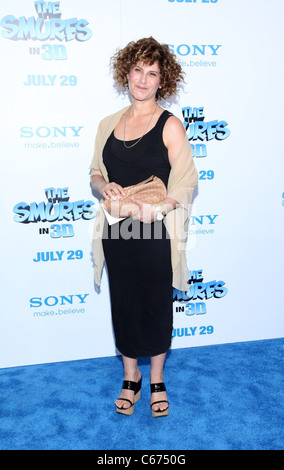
(145, 212)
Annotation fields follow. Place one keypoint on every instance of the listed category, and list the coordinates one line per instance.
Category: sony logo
(52, 300)
(44, 131)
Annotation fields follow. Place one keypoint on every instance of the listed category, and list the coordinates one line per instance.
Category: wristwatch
(161, 210)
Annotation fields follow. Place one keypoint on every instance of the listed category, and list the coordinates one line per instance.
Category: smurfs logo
(198, 129)
(47, 26)
(58, 208)
(198, 291)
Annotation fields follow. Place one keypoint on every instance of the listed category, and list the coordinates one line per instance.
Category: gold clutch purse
(150, 191)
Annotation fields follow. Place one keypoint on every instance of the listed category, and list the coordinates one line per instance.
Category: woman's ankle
(157, 378)
(133, 376)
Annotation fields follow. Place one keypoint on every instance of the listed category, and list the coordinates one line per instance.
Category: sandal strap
(156, 388)
(125, 399)
(160, 401)
(129, 385)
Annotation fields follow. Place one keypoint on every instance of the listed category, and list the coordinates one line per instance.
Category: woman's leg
(131, 372)
(157, 376)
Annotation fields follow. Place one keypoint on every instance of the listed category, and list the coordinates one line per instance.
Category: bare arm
(173, 136)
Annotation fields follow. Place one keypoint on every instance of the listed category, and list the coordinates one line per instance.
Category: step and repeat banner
(56, 86)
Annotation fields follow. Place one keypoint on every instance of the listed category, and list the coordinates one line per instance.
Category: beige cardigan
(182, 180)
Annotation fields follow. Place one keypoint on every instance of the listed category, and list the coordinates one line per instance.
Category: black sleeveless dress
(138, 256)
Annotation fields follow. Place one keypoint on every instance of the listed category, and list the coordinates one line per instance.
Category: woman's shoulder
(108, 123)
(173, 126)
(108, 120)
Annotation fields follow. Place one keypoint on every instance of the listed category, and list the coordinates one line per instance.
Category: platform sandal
(156, 388)
(136, 388)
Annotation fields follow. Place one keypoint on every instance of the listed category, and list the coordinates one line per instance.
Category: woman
(131, 145)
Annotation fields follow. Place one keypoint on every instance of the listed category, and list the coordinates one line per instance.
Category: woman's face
(144, 81)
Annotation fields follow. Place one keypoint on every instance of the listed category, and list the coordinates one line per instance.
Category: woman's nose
(143, 77)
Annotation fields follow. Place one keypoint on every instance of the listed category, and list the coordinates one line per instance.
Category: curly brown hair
(148, 51)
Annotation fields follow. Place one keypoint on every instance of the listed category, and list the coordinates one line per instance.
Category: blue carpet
(223, 397)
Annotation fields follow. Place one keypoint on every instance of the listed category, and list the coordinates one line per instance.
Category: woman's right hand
(112, 191)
